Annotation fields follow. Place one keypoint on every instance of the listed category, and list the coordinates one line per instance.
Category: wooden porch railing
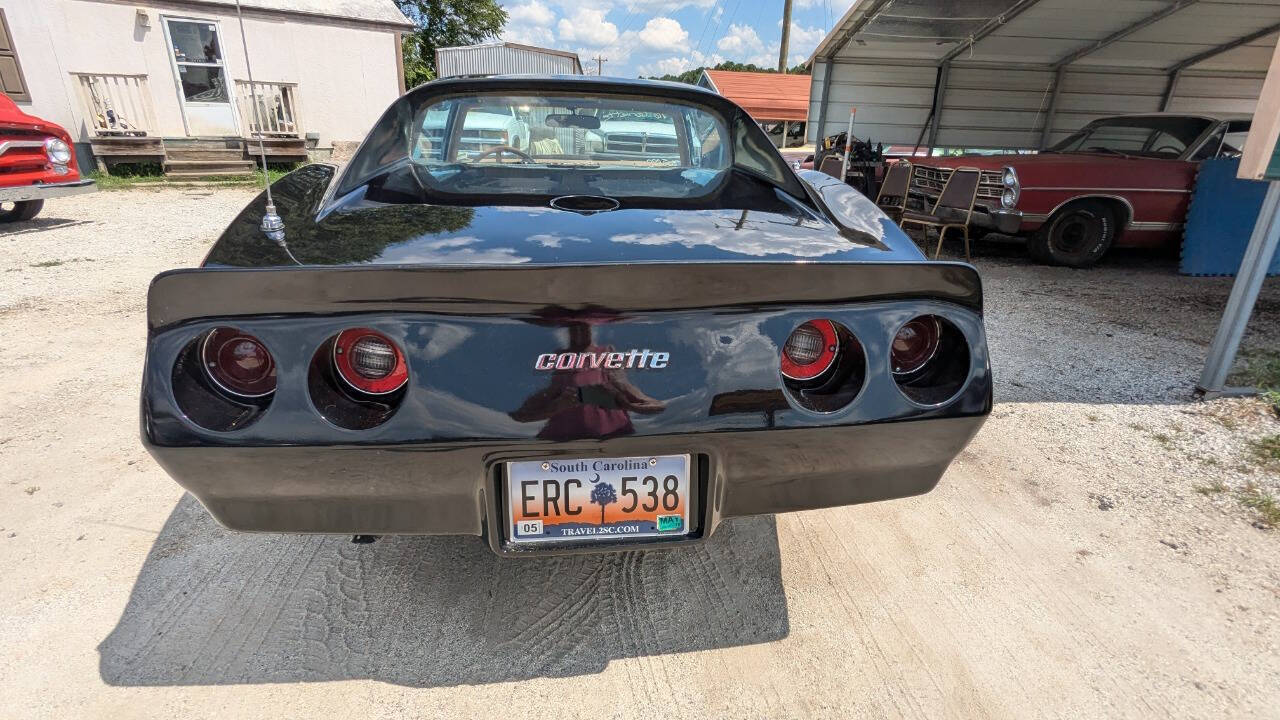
(116, 105)
(277, 109)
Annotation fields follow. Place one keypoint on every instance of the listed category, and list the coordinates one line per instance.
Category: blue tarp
(1220, 221)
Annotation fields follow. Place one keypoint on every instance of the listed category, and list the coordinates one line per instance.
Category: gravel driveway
(1088, 555)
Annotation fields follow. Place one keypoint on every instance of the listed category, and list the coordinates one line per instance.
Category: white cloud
(740, 39)
(676, 64)
(529, 35)
(663, 33)
(529, 23)
(803, 40)
(664, 6)
(587, 25)
(530, 13)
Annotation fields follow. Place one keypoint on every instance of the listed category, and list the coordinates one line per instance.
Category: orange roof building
(767, 97)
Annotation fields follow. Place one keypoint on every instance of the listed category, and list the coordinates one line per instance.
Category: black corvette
(615, 332)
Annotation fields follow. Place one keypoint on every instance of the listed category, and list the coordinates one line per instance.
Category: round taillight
(915, 345)
(238, 363)
(369, 361)
(810, 350)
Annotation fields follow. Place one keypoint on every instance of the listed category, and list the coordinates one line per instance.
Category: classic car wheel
(25, 210)
(1077, 236)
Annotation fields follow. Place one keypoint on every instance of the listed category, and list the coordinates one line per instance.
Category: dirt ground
(1089, 555)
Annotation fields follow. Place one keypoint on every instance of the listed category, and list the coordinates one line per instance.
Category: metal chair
(831, 164)
(892, 197)
(953, 208)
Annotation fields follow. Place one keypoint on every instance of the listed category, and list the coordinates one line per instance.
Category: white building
(142, 79)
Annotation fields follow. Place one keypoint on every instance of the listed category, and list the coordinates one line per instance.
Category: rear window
(568, 145)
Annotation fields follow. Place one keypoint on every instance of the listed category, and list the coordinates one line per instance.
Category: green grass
(1262, 371)
(1266, 449)
(1264, 504)
(129, 178)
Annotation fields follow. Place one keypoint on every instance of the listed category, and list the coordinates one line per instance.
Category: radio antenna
(272, 225)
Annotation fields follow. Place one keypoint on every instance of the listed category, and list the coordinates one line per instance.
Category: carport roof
(765, 96)
(1169, 35)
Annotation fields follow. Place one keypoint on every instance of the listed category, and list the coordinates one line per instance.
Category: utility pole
(600, 61)
(786, 35)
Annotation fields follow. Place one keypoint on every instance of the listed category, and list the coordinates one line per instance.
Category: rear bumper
(432, 490)
(44, 191)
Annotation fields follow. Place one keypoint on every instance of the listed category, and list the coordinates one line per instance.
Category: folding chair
(953, 209)
(892, 197)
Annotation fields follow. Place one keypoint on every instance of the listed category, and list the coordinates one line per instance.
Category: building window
(11, 80)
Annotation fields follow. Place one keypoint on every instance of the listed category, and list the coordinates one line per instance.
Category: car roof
(546, 82)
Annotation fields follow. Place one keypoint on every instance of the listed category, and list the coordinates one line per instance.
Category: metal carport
(1022, 74)
(1025, 73)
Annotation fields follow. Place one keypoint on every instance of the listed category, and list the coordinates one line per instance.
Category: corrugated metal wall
(987, 107)
(497, 59)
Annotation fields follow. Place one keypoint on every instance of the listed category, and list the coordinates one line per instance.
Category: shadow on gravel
(40, 224)
(213, 607)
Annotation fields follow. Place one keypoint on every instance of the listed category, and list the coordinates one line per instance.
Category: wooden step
(197, 168)
(229, 143)
(180, 174)
(222, 155)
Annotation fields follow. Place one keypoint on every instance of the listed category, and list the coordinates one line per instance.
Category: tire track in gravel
(430, 611)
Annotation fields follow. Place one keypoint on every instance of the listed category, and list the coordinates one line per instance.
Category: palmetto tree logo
(603, 495)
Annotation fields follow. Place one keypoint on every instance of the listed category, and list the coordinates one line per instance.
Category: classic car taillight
(238, 363)
(810, 350)
(929, 358)
(915, 344)
(369, 361)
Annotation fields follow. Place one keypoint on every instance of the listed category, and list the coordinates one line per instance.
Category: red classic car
(1118, 182)
(36, 162)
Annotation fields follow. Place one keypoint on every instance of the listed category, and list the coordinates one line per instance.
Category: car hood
(12, 117)
(499, 235)
(360, 231)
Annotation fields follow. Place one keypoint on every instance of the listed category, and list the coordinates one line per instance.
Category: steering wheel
(1170, 148)
(499, 149)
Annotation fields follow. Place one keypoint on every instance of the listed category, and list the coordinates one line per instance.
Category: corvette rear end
(575, 352)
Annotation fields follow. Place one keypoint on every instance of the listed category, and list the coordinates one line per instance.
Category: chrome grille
(634, 143)
(929, 181)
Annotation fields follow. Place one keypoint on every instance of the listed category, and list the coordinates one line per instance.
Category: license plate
(598, 499)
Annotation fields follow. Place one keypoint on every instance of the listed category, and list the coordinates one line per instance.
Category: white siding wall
(990, 107)
(346, 74)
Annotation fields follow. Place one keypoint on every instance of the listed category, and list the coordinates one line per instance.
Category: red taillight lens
(810, 350)
(915, 345)
(369, 362)
(238, 363)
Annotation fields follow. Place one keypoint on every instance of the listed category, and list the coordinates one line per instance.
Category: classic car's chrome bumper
(46, 190)
(1001, 220)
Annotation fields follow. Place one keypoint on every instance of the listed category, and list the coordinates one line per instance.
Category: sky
(659, 37)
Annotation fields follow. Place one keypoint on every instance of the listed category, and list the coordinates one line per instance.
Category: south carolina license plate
(598, 499)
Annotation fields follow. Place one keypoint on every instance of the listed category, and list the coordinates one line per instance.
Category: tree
(445, 23)
(602, 495)
(691, 76)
